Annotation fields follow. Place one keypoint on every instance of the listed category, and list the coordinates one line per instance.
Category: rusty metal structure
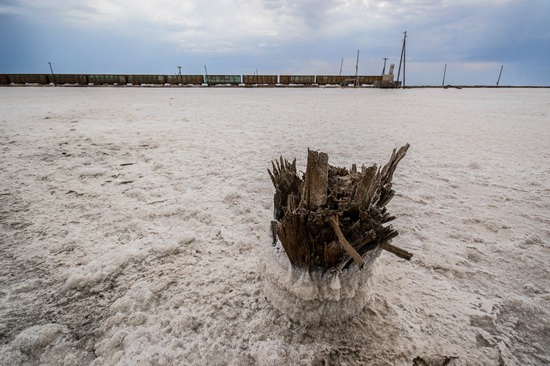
(296, 79)
(213, 80)
(258, 80)
(194, 80)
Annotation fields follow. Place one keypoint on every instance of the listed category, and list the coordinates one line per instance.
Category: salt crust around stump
(316, 298)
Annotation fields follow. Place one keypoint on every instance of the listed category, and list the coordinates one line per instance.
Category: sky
(474, 38)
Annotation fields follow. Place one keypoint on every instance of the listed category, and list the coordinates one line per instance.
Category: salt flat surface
(134, 221)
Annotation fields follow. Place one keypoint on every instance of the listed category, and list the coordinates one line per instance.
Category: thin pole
(501, 67)
(400, 61)
(341, 65)
(357, 70)
(384, 69)
(206, 72)
(444, 73)
(404, 56)
(51, 69)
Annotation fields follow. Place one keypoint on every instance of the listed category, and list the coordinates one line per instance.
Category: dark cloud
(282, 35)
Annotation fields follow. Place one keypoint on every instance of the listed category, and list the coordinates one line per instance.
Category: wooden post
(316, 180)
(333, 215)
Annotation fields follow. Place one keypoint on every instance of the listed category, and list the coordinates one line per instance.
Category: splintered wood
(332, 217)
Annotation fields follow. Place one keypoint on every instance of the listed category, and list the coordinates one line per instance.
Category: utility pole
(53, 76)
(341, 64)
(499, 75)
(404, 56)
(444, 73)
(402, 60)
(384, 69)
(357, 70)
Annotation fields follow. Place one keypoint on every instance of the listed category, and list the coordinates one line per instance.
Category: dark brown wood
(287, 184)
(367, 187)
(342, 239)
(332, 217)
(401, 253)
(316, 181)
(274, 231)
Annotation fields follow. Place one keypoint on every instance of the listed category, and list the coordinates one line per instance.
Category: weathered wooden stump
(332, 225)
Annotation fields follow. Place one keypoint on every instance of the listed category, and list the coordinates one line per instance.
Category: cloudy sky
(473, 37)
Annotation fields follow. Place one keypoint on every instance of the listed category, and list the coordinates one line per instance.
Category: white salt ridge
(317, 298)
(162, 261)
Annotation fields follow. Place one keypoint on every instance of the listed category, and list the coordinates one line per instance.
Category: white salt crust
(133, 223)
(317, 298)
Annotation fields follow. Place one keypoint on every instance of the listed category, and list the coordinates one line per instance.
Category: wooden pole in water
(444, 73)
